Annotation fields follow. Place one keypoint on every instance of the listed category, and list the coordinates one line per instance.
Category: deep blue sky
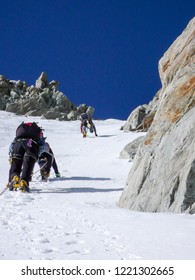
(104, 53)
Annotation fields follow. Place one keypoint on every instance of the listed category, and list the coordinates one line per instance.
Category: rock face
(135, 118)
(44, 99)
(142, 117)
(162, 178)
(130, 150)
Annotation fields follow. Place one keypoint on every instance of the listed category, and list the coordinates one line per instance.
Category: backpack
(28, 130)
(84, 116)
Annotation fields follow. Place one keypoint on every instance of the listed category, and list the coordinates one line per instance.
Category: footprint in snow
(4, 223)
(44, 240)
(73, 252)
(37, 251)
(72, 242)
(46, 251)
(74, 232)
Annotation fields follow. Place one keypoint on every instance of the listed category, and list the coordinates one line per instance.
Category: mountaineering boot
(24, 186)
(58, 175)
(44, 175)
(14, 184)
(84, 134)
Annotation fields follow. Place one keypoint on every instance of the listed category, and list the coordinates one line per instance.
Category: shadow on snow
(107, 135)
(52, 189)
(79, 178)
(73, 190)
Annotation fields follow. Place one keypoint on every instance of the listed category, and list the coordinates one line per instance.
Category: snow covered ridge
(76, 217)
(44, 99)
(162, 178)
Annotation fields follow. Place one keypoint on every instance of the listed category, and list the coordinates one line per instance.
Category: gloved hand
(58, 175)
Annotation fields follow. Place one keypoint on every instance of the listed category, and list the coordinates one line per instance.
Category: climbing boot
(44, 175)
(84, 134)
(24, 186)
(14, 184)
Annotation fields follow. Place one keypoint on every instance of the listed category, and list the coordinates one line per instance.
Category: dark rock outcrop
(44, 99)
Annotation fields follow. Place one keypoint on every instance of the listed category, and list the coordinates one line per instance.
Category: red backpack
(29, 130)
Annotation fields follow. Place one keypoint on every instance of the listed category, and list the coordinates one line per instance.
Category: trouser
(84, 129)
(24, 155)
(90, 127)
(45, 162)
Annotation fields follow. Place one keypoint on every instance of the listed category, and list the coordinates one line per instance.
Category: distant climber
(87, 124)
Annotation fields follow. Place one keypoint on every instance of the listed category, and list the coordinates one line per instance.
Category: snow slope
(76, 217)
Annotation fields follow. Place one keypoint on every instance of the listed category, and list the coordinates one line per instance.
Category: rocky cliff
(42, 99)
(162, 178)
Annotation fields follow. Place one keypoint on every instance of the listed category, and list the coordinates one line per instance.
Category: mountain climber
(46, 160)
(87, 123)
(23, 155)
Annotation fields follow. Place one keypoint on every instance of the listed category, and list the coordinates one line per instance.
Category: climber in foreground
(87, 124)
(23, 154)
(46, 160)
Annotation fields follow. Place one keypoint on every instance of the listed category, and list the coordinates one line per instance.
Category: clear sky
(104, 53)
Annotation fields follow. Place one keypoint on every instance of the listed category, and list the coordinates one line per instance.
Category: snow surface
(76, 217)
